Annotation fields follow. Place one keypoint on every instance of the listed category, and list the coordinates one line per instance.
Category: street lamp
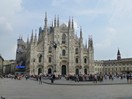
(80, 67)
(33, 66)
(54, 46)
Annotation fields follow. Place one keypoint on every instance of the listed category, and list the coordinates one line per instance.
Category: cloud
(90, 12)
(9, 10)
(5, 26)
(13, 49)
(79, 1)
(76, 26)
(57, 2)
(116, 10)
(108, 40)
(10, 7)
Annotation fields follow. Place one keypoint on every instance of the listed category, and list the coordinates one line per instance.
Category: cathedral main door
(49, 71)
(39, 70)
(63, 70)
(85, 71)
(77, 71)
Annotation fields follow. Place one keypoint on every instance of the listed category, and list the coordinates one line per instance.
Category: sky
(108, 21)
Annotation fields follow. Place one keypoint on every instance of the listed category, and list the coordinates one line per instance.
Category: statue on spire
(58, 21)
(45, 20)
(72, 23)
(55, 21)
(69, 23)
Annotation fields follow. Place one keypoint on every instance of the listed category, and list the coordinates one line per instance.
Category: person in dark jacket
(40, 79)
(52, 78)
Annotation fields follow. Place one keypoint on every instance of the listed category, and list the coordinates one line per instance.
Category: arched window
(63, 39)
(76, 51)
(76, 60)
(50, 49)
(40, 58)
(123, 68)
(116, 68)
(63, 52)
(85, 60)
(85, 71)
(50, 60)
(120, 68)
(128, 68)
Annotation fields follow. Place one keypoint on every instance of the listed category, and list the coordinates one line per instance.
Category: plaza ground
(22, 89)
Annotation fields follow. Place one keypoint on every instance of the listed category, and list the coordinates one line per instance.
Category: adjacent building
(1, 65)
(116, 66)
(9, 67)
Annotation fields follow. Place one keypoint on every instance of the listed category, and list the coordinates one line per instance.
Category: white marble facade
(57, 49)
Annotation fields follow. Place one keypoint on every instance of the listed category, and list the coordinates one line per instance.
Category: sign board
(20, 66)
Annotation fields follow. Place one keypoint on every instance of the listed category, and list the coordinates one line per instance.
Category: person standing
(40, 79)
(52, 78)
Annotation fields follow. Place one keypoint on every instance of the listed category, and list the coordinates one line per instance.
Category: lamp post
(54, 46)
(33, 66)
(80, 67)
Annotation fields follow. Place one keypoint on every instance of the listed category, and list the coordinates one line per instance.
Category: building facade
(116, 66)
(1, 65)
(9, 67)
(56, 49)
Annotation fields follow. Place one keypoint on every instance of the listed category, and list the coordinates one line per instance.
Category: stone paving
(70, 82)
(22, 89)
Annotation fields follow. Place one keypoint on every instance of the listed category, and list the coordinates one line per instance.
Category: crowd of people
(38, 78)
(13, 76)
(81, 77)
(51, 77)
(98, 77)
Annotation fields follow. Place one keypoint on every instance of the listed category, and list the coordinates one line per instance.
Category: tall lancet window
(76, 51)
(76, 60)
(85, 60)
(63, 39)
(50, 49)
(63, 52)
(40, 58)
(50, 59)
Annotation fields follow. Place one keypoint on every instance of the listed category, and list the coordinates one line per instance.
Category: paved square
(22, 89)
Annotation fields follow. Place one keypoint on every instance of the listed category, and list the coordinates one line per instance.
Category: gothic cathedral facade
(56, 49)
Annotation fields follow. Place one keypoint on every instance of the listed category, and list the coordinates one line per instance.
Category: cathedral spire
(118, 55)
(52, 23)
(28, 40)
(72, 23)
(69, 23)
(55, 21)
(45, 20)
(58, 21)
(90, 41)
(86, 44)
(35, 37)
(80, 32)
(32, 37)
(19, 37)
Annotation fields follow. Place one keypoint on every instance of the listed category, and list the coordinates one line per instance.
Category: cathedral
(58, 49)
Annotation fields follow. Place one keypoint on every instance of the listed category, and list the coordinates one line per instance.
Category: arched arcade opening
(63, 70)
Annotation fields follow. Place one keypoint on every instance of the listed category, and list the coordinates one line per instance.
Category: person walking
(52, 78)
(26, 77)
(40, 79)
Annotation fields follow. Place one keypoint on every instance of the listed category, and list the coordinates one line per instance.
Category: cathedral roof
(1, 57)
(63, 25)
